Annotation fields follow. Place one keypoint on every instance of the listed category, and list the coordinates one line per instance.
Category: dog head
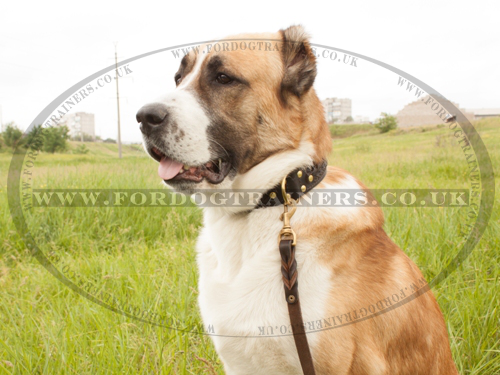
(243, 114)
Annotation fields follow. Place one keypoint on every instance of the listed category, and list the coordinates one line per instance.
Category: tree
(34, 139)
(349, 119)
(12, 136)
(54, 139)
(386, 122)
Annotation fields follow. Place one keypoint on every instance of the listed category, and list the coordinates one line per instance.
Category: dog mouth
(214, 171)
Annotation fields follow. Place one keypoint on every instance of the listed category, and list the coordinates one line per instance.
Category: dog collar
(298, 182)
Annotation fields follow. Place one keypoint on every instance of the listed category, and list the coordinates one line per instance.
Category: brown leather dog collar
(298, 182)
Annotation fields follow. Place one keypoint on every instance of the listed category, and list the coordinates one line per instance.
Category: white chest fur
(241, 290)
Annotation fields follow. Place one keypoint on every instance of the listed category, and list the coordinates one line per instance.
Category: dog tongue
(168, 168)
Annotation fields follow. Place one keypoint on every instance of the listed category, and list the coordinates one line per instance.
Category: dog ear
(299, 61)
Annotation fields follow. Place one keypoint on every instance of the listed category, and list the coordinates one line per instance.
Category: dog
(245, 116)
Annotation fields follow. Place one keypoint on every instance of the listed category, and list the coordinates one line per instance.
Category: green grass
(344, 131)
(145, 256)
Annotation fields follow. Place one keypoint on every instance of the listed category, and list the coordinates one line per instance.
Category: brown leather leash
(287, 241)
(301, 182)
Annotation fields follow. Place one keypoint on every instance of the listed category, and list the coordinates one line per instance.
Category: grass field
(146, 256)
(344, 131)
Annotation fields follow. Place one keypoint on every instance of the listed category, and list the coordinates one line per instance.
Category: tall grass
(145, 256)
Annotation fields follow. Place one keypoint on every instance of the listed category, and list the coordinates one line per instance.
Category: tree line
(51, 139)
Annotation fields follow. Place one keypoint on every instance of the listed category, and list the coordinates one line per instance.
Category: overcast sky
(46, 47)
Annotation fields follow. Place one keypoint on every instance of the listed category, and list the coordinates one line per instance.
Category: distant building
(337, 109)
(418, 113)
(484, 112)
(80, 123)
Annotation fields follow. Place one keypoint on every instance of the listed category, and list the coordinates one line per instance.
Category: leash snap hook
(287, 231)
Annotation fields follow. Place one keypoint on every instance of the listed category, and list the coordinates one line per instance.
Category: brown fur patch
(249, 118)
(368, 268)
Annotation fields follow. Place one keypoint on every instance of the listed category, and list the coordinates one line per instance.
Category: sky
(47, 47)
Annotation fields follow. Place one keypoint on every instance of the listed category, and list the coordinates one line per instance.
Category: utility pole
(119, 138)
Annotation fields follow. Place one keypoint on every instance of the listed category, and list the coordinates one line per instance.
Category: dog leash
(287, 241)
(300, 181)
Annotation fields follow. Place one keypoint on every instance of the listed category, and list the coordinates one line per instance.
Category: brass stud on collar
(303, 188)
(311, 178)
(299, 174)
(291, 298)
(272, 195)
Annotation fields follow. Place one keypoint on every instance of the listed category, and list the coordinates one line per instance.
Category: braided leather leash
(287, 241)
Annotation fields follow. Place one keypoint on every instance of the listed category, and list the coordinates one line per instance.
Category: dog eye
(223, 79)
(177, 79)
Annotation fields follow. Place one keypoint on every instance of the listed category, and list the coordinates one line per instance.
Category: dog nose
(151, 116)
